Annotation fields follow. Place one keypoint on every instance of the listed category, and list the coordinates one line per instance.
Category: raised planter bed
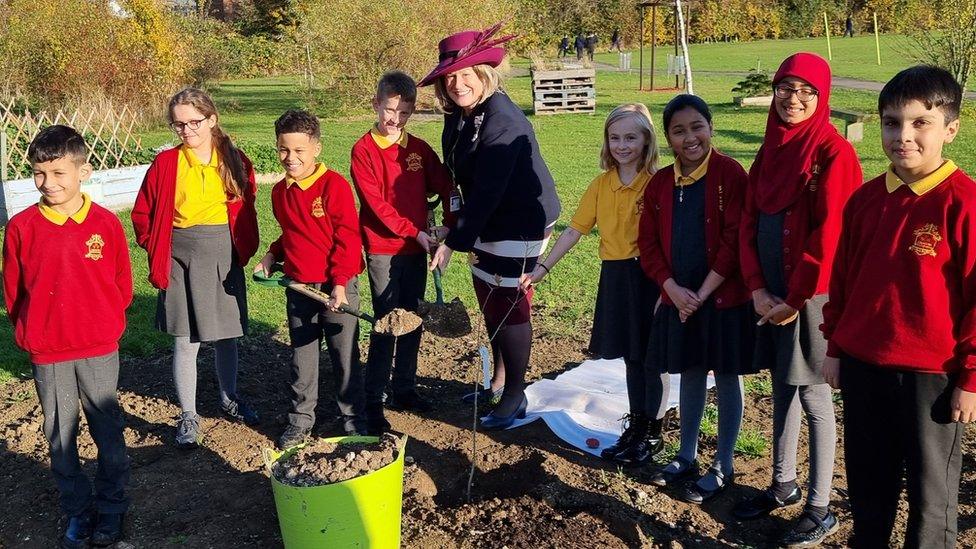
(755, 101)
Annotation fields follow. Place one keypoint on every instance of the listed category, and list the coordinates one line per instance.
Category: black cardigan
(508, 191)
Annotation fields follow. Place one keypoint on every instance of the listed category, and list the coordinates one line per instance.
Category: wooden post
(877, 41)
(830, 55)
(640, 80)
(3, 157)
(676, 8)
(653, 41)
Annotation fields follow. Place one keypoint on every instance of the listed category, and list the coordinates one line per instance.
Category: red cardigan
(66, 287)
(725, 184)
(152, 216)
(903, 289)
(811, 226)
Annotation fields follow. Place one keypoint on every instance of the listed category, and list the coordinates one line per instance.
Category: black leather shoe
(814, 536)
(645, 449)
(665, 479)
(763, 504)
(411, 402)
(79, 530)
(635, 425)
(693, 493)
(109, 529)
(376, 423)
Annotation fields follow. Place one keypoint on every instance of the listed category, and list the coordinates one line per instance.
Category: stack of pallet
(555, 92)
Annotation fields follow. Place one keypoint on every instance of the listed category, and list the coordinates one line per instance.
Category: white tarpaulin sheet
(586, 402)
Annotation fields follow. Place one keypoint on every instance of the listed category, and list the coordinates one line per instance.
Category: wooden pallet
(567, 91)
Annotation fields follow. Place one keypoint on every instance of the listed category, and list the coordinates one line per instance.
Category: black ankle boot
(635, 427)
(643, 451)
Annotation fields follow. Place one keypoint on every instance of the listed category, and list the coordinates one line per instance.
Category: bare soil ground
(530, 489)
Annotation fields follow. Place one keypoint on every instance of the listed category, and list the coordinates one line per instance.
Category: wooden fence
(108, 132)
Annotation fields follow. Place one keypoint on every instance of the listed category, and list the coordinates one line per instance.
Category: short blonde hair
(642, 115)
(490, 78)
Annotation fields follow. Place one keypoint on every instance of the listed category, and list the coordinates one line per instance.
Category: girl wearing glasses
(195, 217)
(802, 176)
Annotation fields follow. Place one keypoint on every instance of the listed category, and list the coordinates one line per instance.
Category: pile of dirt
(446, 319)
(398, 322)
(324, 462)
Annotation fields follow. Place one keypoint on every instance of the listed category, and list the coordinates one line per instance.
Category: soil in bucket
(328, 462)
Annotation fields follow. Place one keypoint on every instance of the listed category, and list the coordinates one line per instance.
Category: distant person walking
(564, 46)
(615, 41)
(591, 46)
(849, 27)
(580, 45)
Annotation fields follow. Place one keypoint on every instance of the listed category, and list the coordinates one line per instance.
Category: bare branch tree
(951, 42)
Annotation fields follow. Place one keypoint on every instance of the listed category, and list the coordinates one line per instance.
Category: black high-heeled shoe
(493, 422)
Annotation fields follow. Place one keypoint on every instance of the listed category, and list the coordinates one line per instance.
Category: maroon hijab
(785, 162)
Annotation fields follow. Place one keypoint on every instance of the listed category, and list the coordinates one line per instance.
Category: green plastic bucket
(360, 512)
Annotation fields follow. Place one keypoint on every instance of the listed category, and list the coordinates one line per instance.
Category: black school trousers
(898, 433)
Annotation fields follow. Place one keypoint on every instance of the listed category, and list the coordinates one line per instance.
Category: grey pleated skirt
(206, 299)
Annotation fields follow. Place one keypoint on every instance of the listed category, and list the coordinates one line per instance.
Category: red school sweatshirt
(903, 289)
(393, 184)
(725, 183)
(152, 216)
(319, 239)
(66, 287)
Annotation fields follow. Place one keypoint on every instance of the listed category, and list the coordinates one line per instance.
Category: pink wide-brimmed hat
(467, 49)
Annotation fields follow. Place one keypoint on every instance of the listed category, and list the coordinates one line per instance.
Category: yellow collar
(637, 184)
(194, 161)
(384, 143)
(698, 173)
(59, 218)
(924, 185)
(307, 182)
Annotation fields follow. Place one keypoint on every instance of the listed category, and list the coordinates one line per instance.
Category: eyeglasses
(178, 127)
(805, 95)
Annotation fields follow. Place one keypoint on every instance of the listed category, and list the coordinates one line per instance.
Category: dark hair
(54, 142)
(682, 101)
(298, 121)
(932, 86)
(395, 83)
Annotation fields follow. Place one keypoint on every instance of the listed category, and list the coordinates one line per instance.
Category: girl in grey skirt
(195, 217)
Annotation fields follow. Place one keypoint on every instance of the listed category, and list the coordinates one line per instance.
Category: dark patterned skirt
(624, 305)
(721, 340)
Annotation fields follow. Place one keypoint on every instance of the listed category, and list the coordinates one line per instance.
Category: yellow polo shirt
(924, 185)
(616, 209)
(383, 142)
(59, 218)
(307, 182)
(200, 195)
(695, 175)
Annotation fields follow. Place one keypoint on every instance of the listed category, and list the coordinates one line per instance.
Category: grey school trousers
(308, 322)
(93, 382)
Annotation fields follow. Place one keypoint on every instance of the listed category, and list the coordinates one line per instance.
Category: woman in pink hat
(510, 203)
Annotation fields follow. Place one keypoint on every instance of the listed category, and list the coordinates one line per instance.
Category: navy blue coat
(508, 191)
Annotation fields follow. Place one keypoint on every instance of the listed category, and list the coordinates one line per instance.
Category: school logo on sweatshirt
(414, 162)
(95, 245)
(317, 209)
(926, 238)
(639, 205)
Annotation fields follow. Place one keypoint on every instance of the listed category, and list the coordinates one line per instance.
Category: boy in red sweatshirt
(901, 320)
(393, 173)
(67, 281)
(320, 246)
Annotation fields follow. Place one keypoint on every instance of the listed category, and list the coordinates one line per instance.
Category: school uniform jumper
(689, 228)
(393, 180)
(907, 256)
(625, 295)
(510, 202)
(67, 281)
(320, 245)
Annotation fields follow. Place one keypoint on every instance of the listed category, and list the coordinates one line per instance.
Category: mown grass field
(570, 144)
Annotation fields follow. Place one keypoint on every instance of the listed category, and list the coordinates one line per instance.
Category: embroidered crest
(317, 209)
(414, 163)
(815, 172)
(95, 245)
(926, 238)
(639, 205)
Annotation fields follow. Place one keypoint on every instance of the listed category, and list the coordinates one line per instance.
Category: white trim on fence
(114, 189)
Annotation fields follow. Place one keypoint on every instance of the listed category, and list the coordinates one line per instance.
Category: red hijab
(785, 162)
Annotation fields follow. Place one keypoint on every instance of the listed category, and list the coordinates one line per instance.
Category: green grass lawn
(570, 144)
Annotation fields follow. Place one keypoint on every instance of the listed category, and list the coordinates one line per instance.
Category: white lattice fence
(108, 132)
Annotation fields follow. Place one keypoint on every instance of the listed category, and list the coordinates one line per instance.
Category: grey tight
(817, 405)
(729, 393)
(185, 370)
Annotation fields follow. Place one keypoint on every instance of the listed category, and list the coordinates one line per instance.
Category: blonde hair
(490, 78)
(640, 113)
(231, 167)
